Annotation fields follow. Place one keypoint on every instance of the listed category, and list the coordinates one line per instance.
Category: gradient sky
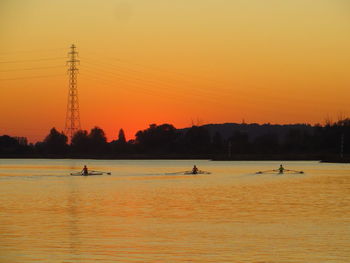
(178, 62)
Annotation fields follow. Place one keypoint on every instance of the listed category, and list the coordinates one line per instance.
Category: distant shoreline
(248, 157)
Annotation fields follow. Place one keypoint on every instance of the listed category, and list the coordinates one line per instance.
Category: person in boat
(280, 169)
(194, 170)
(85, 170)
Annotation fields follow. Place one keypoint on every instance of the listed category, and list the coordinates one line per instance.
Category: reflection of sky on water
(141, 214)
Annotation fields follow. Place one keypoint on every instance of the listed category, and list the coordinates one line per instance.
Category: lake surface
(146, 212)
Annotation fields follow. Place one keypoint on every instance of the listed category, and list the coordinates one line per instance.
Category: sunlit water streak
(140, 213)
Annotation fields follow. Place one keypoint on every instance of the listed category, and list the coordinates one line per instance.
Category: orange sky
(183, 61)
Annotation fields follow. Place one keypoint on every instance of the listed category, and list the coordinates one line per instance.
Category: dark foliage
(197, 140)
(97, 140)
(121, 137)
(240, 142)
(156, 139)
(218, 143)
(55, 142)
(80, 142)
(208, 140)
(14, 145)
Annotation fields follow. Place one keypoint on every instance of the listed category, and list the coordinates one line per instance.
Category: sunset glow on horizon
(178, 62)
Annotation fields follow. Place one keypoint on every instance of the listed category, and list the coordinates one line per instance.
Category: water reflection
(231, 215)
(73, 221)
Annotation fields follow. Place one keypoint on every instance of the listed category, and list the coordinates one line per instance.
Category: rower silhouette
(194, 170)
(85, 170)
(281, 169)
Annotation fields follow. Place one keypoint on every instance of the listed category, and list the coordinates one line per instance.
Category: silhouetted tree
(55, 142)
(217, 143)
(8, 144)
(197, 140)
(318, 140)
(297, 140)
(39, 148)
(121, 137)
(267, 143)
(80, 142)
(157, 138)
(240, 142)
(330, 135)
(98, 141)
(343, 126)
(119, 146)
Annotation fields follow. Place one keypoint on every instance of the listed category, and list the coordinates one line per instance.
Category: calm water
(141, 213)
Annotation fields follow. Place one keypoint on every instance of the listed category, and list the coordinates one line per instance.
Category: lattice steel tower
(72, 116)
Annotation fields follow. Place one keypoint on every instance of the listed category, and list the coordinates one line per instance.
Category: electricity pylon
(72, 116)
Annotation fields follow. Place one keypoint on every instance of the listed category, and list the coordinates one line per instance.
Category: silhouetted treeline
(218, 141)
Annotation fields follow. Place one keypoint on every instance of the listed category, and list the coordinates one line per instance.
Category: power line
(177, 76)
(154, 89)
(31, 60)
(189, 86)
(33, 77)
(20, 69)
(30, 51)
(138, 88)
(188, 77)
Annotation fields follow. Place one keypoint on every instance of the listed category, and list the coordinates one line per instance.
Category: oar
(81, 173)
(260, 172)
(204, 172)
(109, 173)
(176, 173)
(299, 172)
